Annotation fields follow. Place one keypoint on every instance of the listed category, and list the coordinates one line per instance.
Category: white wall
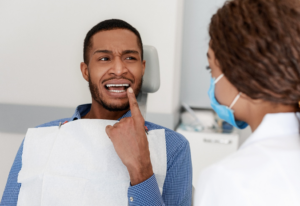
(42, 41)
(195, 79)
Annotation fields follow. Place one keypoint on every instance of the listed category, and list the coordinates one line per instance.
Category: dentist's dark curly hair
(257, 46)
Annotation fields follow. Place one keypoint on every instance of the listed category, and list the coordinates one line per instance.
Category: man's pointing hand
(130, 142)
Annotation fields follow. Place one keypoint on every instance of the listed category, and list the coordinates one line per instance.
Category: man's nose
(119, 67)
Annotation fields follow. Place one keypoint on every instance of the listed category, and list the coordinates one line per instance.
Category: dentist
(254, 57)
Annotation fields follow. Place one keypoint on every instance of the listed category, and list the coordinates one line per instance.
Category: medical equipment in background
(190, 121)
(216, 140)
(204, 120)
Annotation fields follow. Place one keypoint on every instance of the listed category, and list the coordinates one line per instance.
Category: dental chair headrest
(151, 79)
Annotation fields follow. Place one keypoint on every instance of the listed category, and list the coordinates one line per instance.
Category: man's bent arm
(177, 188)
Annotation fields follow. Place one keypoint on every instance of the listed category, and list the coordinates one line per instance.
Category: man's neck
(99, 112)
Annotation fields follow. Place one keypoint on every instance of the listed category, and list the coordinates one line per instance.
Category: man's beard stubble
(110, 107)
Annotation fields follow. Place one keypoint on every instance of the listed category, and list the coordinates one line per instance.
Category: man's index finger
(134, 107)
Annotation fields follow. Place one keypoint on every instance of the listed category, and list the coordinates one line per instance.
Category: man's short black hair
(106, 25)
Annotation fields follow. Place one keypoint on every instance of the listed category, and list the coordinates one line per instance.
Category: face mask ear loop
(235, 100)
(219, 77)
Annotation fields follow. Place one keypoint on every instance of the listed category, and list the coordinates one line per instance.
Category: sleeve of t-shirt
(12, 188)
(177, 189)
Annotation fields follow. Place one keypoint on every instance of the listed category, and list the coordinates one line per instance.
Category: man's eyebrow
(103, 51)
(207, 55)
(130, 52)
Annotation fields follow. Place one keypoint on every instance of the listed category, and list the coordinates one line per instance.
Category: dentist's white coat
(265, 171)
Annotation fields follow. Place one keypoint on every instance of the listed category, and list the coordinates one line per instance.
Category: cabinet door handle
(217, 141)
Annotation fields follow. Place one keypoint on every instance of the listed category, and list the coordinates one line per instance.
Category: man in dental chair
(114, 68)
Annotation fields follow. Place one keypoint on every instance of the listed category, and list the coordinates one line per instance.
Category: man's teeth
(117, 91)
(117, 85)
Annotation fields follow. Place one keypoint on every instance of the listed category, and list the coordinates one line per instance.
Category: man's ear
(84, 71)
(144, 66)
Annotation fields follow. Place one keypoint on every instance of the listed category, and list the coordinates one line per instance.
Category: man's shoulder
(172, 138)
(54, 123)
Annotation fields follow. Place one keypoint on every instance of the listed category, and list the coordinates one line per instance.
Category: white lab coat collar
(277, 125)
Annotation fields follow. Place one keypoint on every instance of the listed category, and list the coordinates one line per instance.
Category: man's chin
(115, 107)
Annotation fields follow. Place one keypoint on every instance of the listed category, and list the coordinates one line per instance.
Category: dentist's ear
(84, 71)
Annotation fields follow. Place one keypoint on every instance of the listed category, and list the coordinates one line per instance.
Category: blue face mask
(224, 112)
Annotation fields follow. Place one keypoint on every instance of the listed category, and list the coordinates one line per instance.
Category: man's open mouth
(117, 88)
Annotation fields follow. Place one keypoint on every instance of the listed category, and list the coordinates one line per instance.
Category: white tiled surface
(9, 145)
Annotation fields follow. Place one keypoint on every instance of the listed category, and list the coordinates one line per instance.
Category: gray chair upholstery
(151, 79)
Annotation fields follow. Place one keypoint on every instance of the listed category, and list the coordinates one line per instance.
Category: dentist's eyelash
(208, 68)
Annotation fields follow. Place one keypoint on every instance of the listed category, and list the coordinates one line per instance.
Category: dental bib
(76, 164)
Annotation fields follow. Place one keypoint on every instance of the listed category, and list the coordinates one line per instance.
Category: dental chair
(151, 79)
